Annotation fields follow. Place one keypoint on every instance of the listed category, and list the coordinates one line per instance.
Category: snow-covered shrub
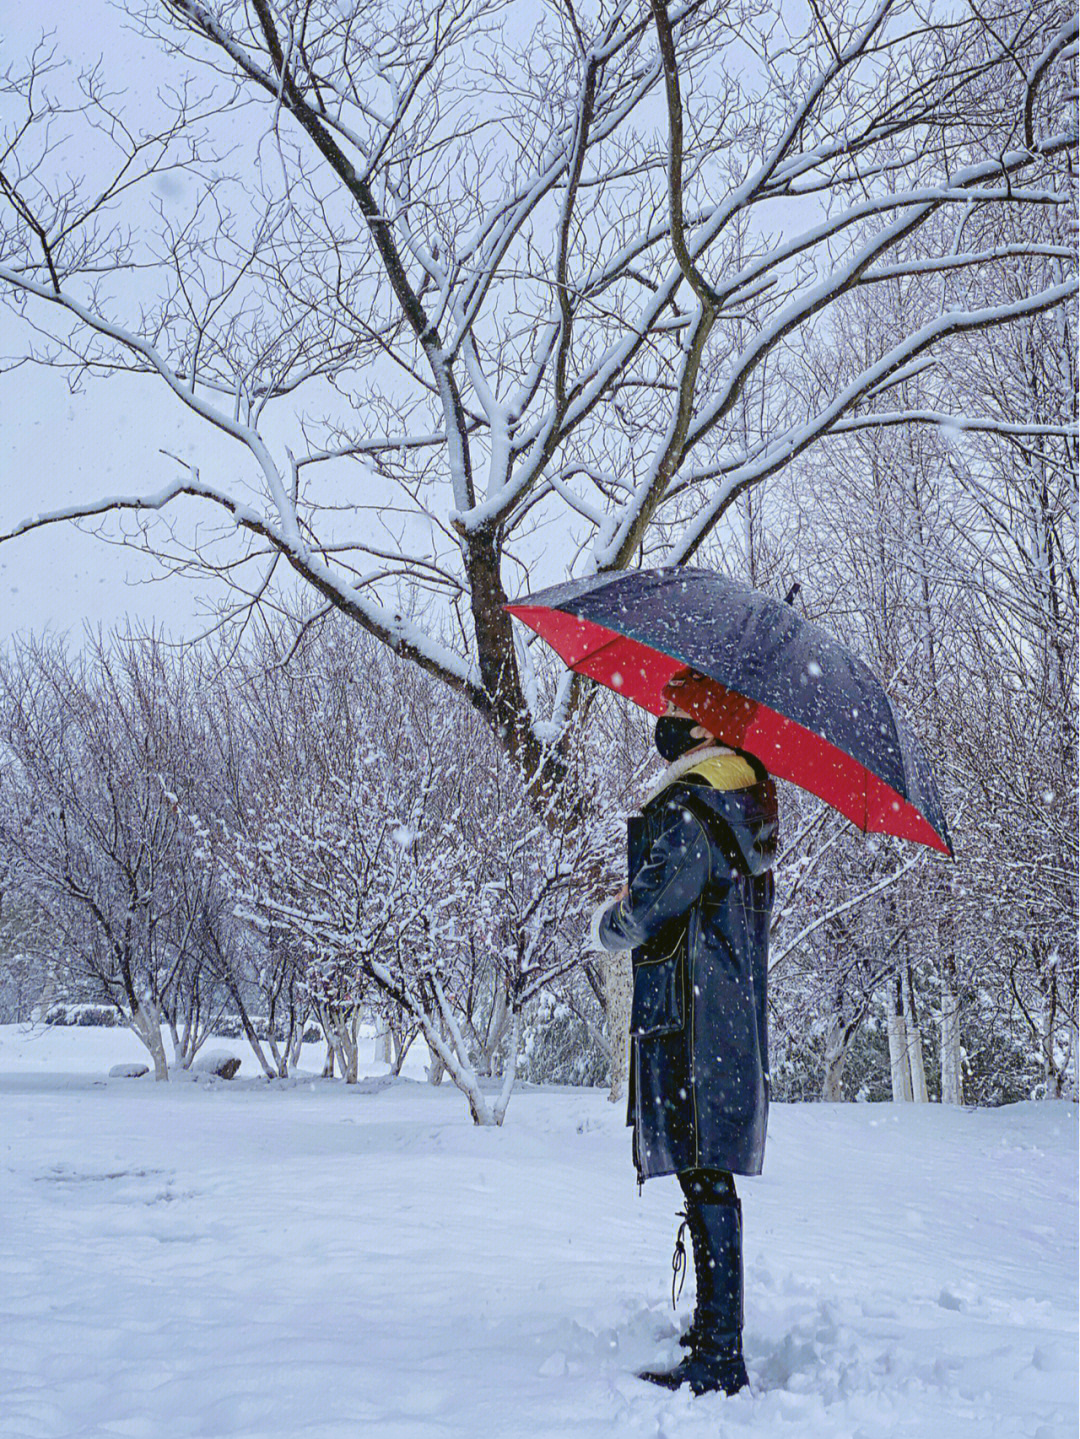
(231, 1026)
(116, 759)
(103, 769)
(561, 1046)
(388, 844)
(89, 1016)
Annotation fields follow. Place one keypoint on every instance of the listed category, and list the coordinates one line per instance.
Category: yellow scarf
(718, 766)
(724, 771)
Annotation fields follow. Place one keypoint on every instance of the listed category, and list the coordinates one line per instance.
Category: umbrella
(765, 680)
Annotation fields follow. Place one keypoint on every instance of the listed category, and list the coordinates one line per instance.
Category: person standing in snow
(695, 913)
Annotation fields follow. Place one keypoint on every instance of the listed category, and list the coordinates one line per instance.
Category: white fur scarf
(680, 766)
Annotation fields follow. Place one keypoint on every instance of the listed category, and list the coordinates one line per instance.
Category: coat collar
(678, 767)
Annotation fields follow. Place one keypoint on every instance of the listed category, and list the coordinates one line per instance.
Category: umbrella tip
(789, 598)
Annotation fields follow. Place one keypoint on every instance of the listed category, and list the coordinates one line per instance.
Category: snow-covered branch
(469, 259)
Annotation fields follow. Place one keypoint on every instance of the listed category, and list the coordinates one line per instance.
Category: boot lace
(678, 1260)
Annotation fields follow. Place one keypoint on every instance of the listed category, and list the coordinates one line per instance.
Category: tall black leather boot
(715, 1360)
(700, 1186)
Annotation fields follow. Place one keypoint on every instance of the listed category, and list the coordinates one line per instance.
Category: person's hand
(622, 893)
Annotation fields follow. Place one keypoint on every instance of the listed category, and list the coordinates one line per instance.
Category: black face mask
(673, 738)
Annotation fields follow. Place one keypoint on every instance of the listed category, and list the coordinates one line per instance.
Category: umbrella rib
(601, 648)
(615, 636)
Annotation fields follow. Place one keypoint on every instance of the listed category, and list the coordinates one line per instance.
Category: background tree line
(482, 303)
(307, 830)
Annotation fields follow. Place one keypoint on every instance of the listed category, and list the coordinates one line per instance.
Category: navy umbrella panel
(773, 683)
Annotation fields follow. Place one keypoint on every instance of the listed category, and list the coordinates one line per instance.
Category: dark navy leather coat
(697, 920)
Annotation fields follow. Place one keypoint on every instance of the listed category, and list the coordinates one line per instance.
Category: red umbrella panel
(787, 749)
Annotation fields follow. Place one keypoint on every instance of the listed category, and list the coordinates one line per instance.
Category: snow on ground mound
(306, 1261)
(128, 1071)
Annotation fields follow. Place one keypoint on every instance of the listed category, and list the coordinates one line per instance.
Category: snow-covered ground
(308, 1261)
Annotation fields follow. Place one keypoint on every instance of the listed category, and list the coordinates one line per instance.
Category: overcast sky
(55, 446)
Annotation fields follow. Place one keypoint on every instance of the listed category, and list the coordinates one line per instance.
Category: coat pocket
(658, 1005)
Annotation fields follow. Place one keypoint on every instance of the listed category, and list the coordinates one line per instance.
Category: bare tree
(23, 950)
(475, 269)
(946, 556)
(91, 801)
(388, 841)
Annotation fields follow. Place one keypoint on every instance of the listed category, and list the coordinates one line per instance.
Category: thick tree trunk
(47, 997)
(618, 984)
(899, 1066)
(249, 1031)
(952, 1078)
(292, 1054)
(340, 1027)
(503, 704)
(281, 1065)
(913, 1037)
(186, 1039)
(348, 1051)
(496, 1029)
(1053, 1078)
(146, 1022)
(837, 1045)
(444, 1038)
(402, 1045)
(510, 1068)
